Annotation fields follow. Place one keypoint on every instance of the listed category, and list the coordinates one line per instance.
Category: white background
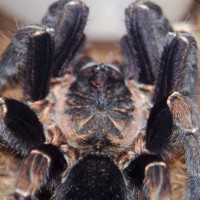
(106, 19)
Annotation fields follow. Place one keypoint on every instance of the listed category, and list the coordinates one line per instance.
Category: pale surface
(106, 20)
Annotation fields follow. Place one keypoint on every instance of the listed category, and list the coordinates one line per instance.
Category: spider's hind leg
(174, 120)
(178, 68)
(143, 45)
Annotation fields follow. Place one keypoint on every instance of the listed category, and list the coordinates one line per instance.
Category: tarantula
(100, 131)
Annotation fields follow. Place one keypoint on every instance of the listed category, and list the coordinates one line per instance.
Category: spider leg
(29, 58)
(20, 131)
(20, 128)
(178, 69)
(22, 134)
(41, 169)
(68, 20)
(174, 119)
(149, 178)
(142, 47)
(186, 130)
(37, 52)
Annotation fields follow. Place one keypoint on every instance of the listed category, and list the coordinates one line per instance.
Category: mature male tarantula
(102, 131)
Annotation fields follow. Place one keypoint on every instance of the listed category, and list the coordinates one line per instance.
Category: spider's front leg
(28, 58)
(34, 54)
(68, 19)
(174, 119)
(142, 48)
(39, 51)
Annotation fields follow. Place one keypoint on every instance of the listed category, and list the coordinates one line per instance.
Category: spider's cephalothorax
(98, 110)
(88, 131)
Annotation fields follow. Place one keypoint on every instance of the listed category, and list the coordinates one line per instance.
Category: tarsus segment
(28, 58)
(68, 20)
(143, 45)
(178, 68)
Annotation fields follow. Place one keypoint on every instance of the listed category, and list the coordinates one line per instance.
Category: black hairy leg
(20, 128)
(174, 120)
(178, 68)
(186, 130)
(67, 19)
(142, 47)
(41, 169)
(38, 52)
(28, 58)
(149, 178)
(178, 75)
(22, 134)
(157, 182)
